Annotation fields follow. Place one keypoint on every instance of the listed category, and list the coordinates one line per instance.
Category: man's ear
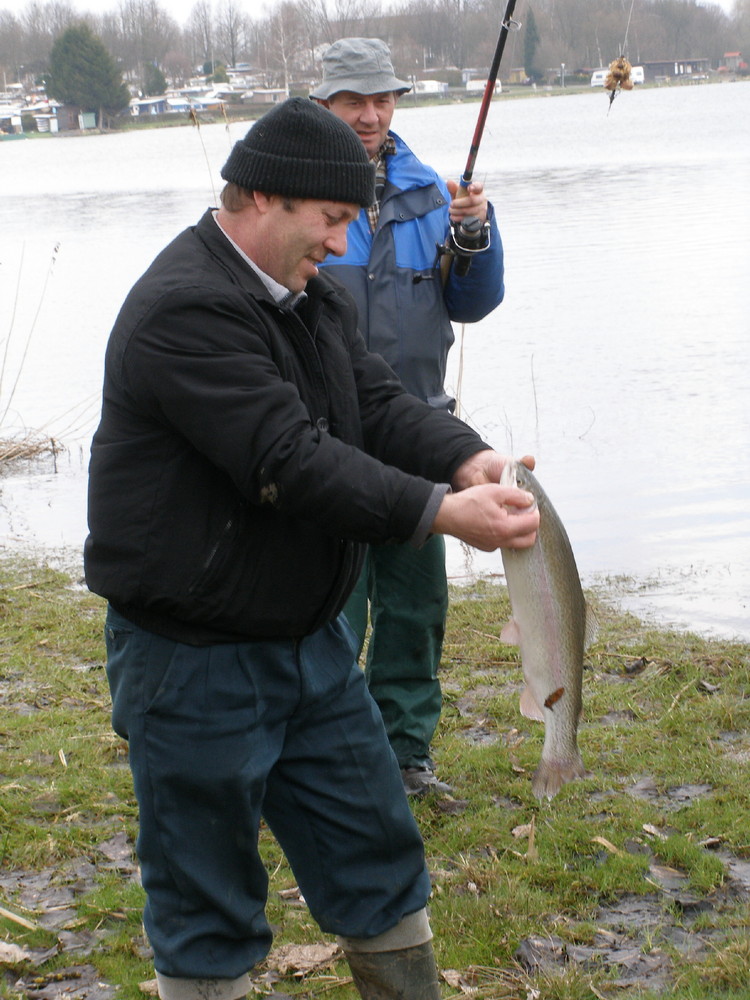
(263, 201)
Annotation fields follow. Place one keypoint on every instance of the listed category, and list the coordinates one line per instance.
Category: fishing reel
(467, 237)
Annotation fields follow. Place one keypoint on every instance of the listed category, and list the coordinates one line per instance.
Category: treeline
(425, 35)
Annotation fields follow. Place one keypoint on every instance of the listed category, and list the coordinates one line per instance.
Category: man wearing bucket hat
(248, 446)
(405, 314)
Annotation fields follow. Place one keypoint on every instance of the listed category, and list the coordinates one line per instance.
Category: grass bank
(632, 883)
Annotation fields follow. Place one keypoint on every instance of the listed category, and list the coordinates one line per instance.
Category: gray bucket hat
(361, 65)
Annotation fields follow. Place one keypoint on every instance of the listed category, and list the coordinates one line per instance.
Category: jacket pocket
(222, 550)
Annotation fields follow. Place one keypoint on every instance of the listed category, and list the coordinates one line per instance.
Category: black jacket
(247, 450)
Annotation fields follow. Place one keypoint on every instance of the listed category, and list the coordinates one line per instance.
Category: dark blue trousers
(222, 736)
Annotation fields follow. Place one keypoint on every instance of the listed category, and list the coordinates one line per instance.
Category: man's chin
(298, 282)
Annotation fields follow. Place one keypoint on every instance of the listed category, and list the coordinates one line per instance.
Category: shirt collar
(388, 148)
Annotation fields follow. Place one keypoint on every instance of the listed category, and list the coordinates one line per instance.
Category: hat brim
(372, 84)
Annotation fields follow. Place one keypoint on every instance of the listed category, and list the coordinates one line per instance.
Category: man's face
(299, 234)
(368, 114)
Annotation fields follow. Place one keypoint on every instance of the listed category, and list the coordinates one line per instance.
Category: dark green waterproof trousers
(407, 593)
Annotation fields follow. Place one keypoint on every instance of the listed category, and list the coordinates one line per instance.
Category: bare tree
(431, 30)
(147, 33)
(178, 67)
(231, 31)
(200, 29)
(742, 34)
(316, 27)
(423, 34)
(41, 25)
(11, 36)
(285, 41)
(356, 17)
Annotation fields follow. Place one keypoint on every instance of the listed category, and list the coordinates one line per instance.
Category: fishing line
(460, 375)
(12, 315)
(196, 122)
(55, 251)
(508, 26)
(226, 123)
(227, 128)
(627, 29)
(618, 78)
(460, 372)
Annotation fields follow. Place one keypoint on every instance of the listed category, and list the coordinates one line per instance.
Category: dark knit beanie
(301, 150)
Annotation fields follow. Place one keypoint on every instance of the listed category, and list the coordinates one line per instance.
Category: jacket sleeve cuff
(422, 531)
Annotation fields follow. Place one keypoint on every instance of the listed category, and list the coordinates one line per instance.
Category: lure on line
(618, 77)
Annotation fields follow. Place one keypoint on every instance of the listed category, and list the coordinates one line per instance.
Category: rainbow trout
(552, 626)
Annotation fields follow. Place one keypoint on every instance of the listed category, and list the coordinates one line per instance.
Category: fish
(552, 625)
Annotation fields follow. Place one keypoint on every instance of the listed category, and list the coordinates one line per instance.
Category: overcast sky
(180, 9)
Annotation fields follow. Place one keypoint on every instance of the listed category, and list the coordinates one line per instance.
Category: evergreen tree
(155, 83)
(530, 44)
(83, 73)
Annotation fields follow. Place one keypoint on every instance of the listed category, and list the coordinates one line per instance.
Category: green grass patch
(648, 856)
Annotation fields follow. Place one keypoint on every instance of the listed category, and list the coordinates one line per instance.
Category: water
(618, 358)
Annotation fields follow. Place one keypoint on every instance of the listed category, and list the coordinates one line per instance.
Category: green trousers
(407, 593)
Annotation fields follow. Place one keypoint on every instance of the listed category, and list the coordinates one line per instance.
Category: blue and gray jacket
(405, 312)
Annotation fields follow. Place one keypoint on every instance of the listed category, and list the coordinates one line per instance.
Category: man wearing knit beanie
(249, 446)
(295, 151)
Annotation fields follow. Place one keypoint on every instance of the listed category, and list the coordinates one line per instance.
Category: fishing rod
(470, 235)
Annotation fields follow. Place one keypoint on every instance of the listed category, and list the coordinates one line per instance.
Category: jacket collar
(405, 169)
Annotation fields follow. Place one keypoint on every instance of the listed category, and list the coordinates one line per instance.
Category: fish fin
(511, 633)
(591, 627)
(551, 775)
(529, 707)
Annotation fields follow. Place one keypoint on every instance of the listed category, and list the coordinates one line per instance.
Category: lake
(619, 357)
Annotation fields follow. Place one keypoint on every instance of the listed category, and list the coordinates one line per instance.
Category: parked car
(599, 76)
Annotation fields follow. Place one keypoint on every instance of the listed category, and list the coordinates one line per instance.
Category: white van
(599, 76)
(479, 86)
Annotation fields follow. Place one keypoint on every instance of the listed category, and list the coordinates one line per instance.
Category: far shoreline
(234, 113)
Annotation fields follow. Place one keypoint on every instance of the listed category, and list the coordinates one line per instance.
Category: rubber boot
(407, 974)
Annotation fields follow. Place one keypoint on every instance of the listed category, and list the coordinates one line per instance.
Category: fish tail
(551, 775)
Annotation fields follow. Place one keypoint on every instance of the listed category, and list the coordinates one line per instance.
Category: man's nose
(336, 242)
(368, 112)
